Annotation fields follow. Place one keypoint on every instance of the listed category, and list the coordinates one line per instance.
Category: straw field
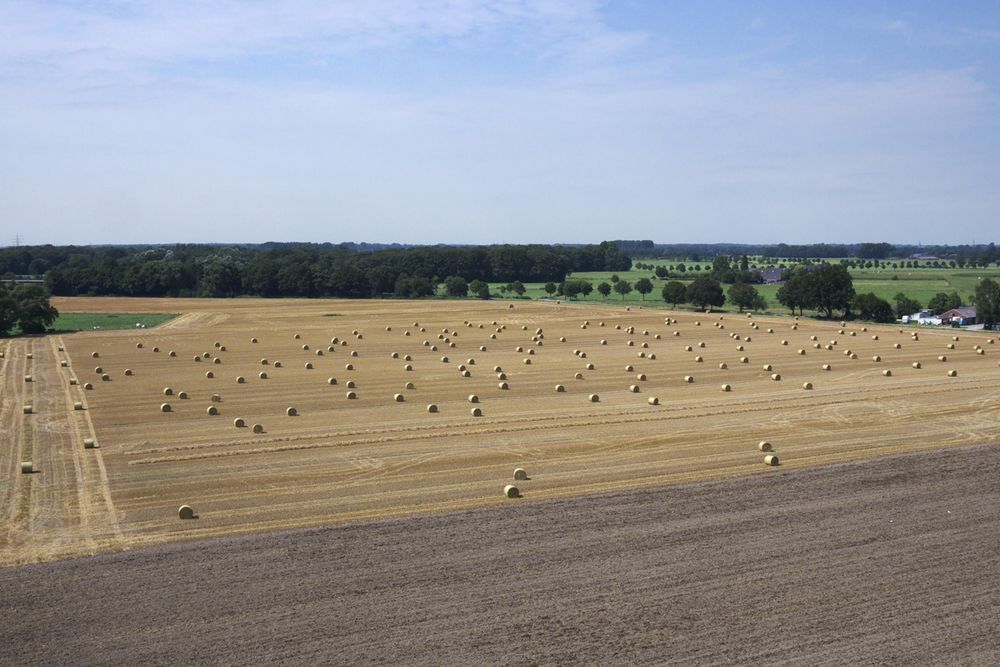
(340, 459)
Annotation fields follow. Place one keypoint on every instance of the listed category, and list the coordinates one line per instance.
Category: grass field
(920, 284)
(70, 321)
(383, 454)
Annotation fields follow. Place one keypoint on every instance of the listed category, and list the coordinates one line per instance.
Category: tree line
(305, 270)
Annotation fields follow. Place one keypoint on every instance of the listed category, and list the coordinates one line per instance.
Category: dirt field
(343, 460)
(886, 561)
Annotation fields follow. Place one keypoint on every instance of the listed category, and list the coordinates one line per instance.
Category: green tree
(674, 292)
(830, 288)
(643, 286)
(661, 272)
(615, 278)
(8, 310)
(518, 287)
(794, 293)
(456, 286)
(604, 289)
(871, 307)
(705, 292)
(586, 287)
(746, 297)
(943, 301)
(550, 288)
(32, 309)
(905, 305)
(988, 303)
(480, 288)
(623, 287)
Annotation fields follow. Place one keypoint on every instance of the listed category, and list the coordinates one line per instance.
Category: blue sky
(454, 121)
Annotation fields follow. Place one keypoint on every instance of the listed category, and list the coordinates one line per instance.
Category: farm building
(771, 274)
(923, 317)
(963, 316)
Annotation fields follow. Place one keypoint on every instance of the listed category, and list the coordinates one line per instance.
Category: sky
(499, 121)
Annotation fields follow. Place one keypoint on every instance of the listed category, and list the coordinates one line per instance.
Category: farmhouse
(770, 274)
(962, 316)
(923, 317)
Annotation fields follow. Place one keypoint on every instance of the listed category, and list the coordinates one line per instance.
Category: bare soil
(891, 560)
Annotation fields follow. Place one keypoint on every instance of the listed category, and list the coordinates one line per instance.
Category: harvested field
(887, 561)
(345, 460)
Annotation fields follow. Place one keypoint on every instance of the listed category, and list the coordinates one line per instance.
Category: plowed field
(342, 460)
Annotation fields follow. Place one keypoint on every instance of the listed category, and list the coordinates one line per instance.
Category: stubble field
(344, 460)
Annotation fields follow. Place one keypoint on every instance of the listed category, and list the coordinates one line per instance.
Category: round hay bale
(954, 337)
(698, 360)
(473, 398)
(399, 398)
(726, 387)
(897, 346)
(744, 360)
(826, 367)
(239, 422)
(105, 378)
(63, 363)
(527, 361)
(594, 398)
(253, 340)
(854, 355)
(297, 336)
(262, 375)
(876, 358)
(466, 374)
(78, 405)
(319, 353)
(641, 377)
(578, 376)
(916, 364)
(504, 386)
(28, 378)
(520, 474)
(258, 428)
(776, 377)
(88, 386)
(651, 355)
(308, 365)
(771, 460)
(331, 380)
(951, 346)
(723, 366)
(88, 443)
(216, 398)
(171, 353)
(501, 376)
(801, 352)
(291, 412)
(807, 385)
(407, 357)
(629, 368)
(875, 337)
(432, 408)
(348, 367)
(739, 348)
(197, 358)
(887, 373)
(653, 400)
(406, 367)
(764, 446)
(689, 379)
(128, 372)
(27, 468)
(767, 367)
(185, 512)
(183, 395)
(98, 370)
(812, 337)
(350, 384)
(212, 410)
(952, 373)
(73, 381)
(560, 389)
(28, 409)
(942, 358)
(511, 491)
(589, 367)
(240, 379)
(784, 342)
(634, 388)
(688, 348)
(476, 412)
(354, 353)
(394, 355)
(165, 407)
(980, 351)
(209, 375)
(94, 355)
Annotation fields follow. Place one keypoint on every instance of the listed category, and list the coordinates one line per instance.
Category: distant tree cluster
(310, 270)
(25, 307)
(822, 287)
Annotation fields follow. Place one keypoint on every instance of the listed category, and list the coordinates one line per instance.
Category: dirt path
(886, 561)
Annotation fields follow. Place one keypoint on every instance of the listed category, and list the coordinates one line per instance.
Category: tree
(674, 292)
(456, 286)
(623, 287)
(705, 292)
(550, 288)
(604, 289)
(905, 305)
(615, 278)
(480, 288)
(28, 306)
(643, 286)
(988, 303)
(570, 288)
(943, 301)
(871, 307)
(795, 292)
(746, 297)
(518, 287)
(661, 272)
(830, 288)
(586, 287)
(412, 287)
